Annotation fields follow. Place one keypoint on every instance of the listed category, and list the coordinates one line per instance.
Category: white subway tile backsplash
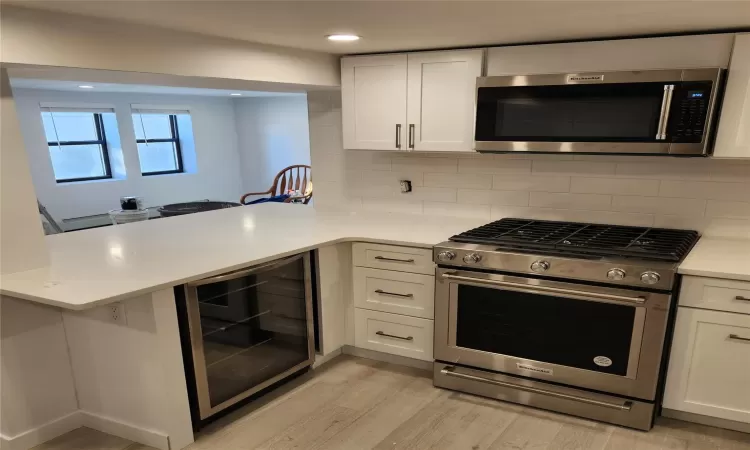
(485, 197)
(618, 186)
(659, 205)
(706, 189)
(669, 169)
(413, 163)
(537, 183)
(458, 180)
(592, 202)
(457, 210)
(573, 168)
(395, 205)
(494, 166)
(731, 210)
(712, 196)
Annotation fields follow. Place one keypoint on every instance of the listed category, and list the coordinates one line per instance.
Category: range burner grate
(660, 244)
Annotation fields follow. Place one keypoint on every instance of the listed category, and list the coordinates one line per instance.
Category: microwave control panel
(689, 111)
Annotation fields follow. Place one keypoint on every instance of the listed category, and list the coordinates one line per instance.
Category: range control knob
(616, 274)
(472, 258)
(540, 266)
(446, 256)
(650, 277)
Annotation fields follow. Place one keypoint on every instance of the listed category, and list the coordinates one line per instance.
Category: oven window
(574, 113)
(575, 333)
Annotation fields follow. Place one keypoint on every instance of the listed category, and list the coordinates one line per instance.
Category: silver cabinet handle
(554, 290)
(395, 294)
(411, 136)
(398, 136)
(450, 372)
(408, 338)
(383, 258)
(742, 299)
(737, 337)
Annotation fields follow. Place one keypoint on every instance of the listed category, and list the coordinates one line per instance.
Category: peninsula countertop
(104, 265)
(718, 258)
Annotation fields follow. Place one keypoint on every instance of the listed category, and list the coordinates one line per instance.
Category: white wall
(712, 196)
(55, 39)
(273, 133)
(35, 370)
(217, 177)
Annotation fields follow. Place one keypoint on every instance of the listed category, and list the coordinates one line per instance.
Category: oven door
(598, 338)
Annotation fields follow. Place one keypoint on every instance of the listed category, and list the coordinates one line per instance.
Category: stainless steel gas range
(570, 317)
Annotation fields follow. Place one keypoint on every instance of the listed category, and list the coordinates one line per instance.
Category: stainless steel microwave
(657, 112)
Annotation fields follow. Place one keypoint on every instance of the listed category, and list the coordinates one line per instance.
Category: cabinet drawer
(391, 257)
(405, 293)
(714, 293)
(709, 365)
(393, 333)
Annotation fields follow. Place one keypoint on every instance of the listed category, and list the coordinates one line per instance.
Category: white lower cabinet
(709, 369)
(393, 333)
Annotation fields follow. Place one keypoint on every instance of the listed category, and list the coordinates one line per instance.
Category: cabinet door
(733, 137)
(373, 102)
(709, 368)
(441, 105)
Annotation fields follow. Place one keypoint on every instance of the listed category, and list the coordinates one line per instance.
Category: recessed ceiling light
(86, 86)
(235, 94)
(343, 37)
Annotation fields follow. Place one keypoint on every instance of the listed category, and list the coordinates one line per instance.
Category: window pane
(69, 126)
(77, 161)
(157, 157)
(156, 126)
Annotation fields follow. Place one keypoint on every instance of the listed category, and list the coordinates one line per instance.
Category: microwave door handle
(245, 272)
(666, 102)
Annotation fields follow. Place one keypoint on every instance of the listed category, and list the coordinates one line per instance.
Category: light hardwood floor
(353, 404)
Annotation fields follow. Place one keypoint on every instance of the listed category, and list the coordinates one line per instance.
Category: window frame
(101, 141)
(174, 139)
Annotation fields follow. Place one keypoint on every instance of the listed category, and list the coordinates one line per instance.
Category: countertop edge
(711, 274)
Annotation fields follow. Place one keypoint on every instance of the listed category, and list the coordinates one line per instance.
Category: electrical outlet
(116, 313)
(405, 186)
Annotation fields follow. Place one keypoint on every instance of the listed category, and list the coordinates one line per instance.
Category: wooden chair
(295, 177)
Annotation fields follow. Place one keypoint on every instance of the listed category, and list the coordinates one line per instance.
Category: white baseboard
(322, 359)
(42, 433)
(125, 430)
(387, 357)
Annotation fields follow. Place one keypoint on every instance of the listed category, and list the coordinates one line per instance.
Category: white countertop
(103, 265)
(718, 258)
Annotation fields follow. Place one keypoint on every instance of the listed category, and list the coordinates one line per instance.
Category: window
(158, 138)
(77, 144)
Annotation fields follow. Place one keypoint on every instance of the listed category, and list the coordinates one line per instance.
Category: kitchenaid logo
(534, 369)
(585, 77)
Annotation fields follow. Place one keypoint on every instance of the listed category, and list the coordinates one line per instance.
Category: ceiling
(409, 25)
(66, 85)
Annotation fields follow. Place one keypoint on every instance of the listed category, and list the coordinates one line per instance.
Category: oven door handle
(552, 290)
(450, 371)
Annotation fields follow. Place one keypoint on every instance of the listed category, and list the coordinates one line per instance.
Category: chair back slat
(304, 182)
(282, 189)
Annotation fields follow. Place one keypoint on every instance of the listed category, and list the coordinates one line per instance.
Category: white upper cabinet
(441, 100)
(733, 136)
(373, 102)
(420, 101)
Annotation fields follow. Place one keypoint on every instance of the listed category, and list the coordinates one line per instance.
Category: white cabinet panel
(373, 96)
(405, 293)
(714, 293)
(709, 369)
(441, 99)
(733, 136)
(393, 257)
(394, 334)
(678, 52)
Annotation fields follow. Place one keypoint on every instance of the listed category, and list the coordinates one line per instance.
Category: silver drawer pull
(742, 299)
(737, 337)
(450, 371)
(395, 294)
(383, 258)
(408, 338)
